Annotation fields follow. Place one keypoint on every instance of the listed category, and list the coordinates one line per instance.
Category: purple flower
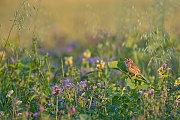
(35, 115)
(90, 60)
(68, 85)
(82, 84)
(93, 60)
(56, 90)
(66, 81)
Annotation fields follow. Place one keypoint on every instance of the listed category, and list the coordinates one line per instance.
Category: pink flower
(140, 92)
(99, 84)
(41, 108)
(18, 114)
(73, 110)
(177, 102)
(165, 65)
(56, 90)
(27, 114)
(151, 91)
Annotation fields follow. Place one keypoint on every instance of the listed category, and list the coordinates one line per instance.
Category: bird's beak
(125, 59)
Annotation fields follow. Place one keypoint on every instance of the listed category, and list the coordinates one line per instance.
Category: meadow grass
(89, 82)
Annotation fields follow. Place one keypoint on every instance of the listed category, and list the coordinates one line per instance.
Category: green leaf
(130, 83)
(122, 66)
(143, 87)
(113, 64)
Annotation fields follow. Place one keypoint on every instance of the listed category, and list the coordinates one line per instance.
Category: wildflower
(165, 65)
(56, 90)
(164, 93)
(87, 54)
(99, 84)
(69, 61)
(41, 108)
(9, 93)
(160, 69)
(18, 114)
(177, 102)
(100, 64)
(145, 95)
(140, 92)
(35, 115)
(66, 81)
(68, 85)
(177, 82)
(73, 110)
(27, 114)
(90, 60)
(82, 84)
(151, 91)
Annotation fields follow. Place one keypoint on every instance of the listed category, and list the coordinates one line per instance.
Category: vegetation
(92, 82)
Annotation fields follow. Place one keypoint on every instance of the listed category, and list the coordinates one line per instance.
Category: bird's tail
(145, 78)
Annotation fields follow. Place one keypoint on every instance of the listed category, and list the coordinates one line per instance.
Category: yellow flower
(87, 53)
(101, 64)
(177, 82)
(69, 61)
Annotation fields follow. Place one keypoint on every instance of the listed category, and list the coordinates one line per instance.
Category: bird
(132, 68)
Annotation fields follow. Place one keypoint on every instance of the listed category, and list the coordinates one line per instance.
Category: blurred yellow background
(58, 22)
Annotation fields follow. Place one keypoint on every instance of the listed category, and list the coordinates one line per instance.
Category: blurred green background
(57, 23)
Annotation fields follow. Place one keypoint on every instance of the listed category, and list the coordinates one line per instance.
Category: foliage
(93, 83)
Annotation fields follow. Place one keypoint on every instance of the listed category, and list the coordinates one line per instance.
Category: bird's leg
(134, 77)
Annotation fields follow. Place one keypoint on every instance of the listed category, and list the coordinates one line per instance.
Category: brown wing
(135, 68)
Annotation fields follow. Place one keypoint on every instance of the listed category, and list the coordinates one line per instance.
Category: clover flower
(56, 90)
(18, 114)
(99, 84)
(140, 92)
(177, 102)
(145, 95)
(82, 84)
(163, 71)
(35, 115)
